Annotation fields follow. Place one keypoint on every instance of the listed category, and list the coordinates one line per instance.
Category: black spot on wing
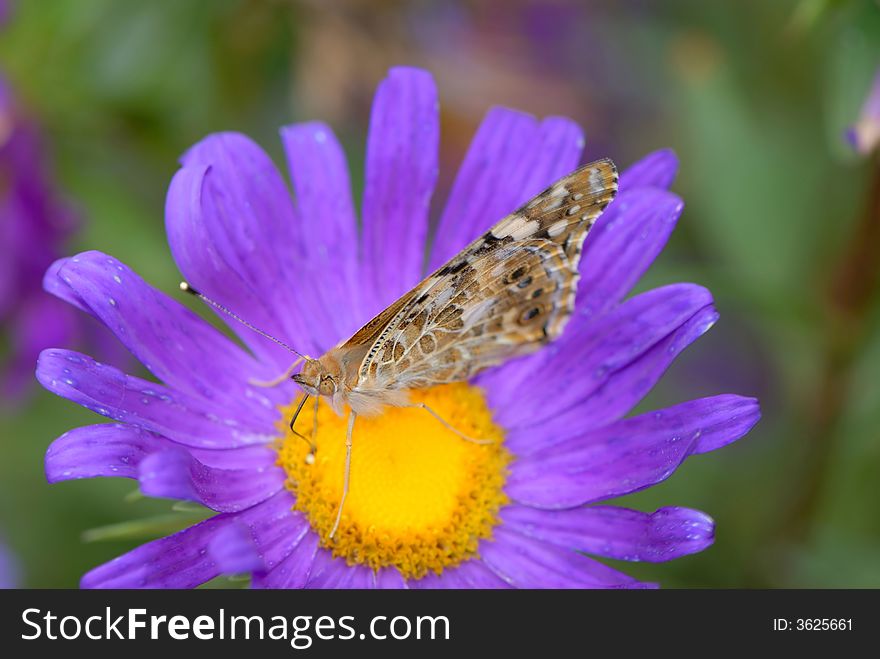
(491, 242)
(452, 268)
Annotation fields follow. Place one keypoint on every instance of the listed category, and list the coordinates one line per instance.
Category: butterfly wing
(506, 294)
(487, 313)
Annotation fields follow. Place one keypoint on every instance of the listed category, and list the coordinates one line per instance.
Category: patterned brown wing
(506, 294)
(487, 313)
(565, 212)
(363, 345)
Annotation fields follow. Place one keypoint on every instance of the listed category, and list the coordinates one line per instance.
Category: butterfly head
(317, 379)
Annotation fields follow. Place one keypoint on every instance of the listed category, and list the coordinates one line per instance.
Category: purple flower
(864, 135)
(298, 268)
(34, 224)
(9, 570)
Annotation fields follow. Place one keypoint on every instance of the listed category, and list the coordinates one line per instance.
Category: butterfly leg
(351, 418)
(274, 382)
(310, 458)
(449, 426)
(315, 420)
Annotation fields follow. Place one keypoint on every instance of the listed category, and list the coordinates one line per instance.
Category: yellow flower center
(420, 498)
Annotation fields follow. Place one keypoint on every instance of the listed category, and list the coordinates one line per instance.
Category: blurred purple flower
(206, 433)
(9, 569)
(34, 224)
(864, 135)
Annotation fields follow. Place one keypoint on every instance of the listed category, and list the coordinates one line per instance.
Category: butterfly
(507, 294)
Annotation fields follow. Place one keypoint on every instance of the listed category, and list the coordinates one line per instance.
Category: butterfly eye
(327, 387)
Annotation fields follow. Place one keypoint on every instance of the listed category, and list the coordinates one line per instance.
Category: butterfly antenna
(186, 288)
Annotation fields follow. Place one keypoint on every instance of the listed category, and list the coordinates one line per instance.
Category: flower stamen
(421, 497)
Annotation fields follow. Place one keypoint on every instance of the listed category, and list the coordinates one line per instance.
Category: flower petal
(470, 574)
(181, 560)
(322, 188)
(657, 170)
(511, 159)
(111, 393)
(52, 283)
(189, 226)
(333, 573)
(389, 578)
(558, 149)
(233, 550)
(193, 556)
(116, 450)
(623, 388)
(627, 238)
(627, 386)
(477, 575)
(327, 572)
(176, 345)
(431, 581)
(628, 455)
(175, 474)
(256, 457)
(276, 528)
(618, 533)
(235, 235)
(109, 449)
(292, 571)
(401, 170)
(489, 182)
(364, 578)
(524, 562)
(590, 352)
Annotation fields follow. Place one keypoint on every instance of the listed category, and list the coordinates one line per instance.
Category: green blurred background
(779, 223)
